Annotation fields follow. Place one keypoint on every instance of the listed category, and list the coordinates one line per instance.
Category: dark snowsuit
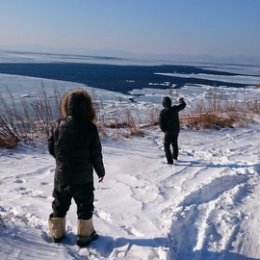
(75, 144)
(170, 125)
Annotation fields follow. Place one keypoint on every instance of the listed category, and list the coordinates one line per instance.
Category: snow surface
(245, 79)
(204, 207)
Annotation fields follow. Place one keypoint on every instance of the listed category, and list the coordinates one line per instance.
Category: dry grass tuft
(207, 121)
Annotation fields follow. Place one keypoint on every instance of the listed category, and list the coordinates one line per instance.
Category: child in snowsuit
(170, 124)
(74, 142)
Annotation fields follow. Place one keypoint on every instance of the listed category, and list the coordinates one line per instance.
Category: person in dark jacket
(170, 124)
(74, 142)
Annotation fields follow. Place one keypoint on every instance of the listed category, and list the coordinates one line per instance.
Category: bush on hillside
(34, 120)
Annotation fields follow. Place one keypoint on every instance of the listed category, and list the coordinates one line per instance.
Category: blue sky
(190, 27)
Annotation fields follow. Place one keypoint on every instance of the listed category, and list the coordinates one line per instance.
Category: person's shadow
(105, 245)
(109, 247)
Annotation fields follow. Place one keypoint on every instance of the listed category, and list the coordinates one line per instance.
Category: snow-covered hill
(204, 207)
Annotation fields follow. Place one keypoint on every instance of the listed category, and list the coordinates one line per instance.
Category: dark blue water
(115, 77)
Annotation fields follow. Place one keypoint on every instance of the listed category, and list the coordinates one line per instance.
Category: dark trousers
(171, 147)
(83, 195)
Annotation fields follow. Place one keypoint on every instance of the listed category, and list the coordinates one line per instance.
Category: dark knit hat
(166, 102)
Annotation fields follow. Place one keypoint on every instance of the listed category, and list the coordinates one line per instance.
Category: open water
(120, 78)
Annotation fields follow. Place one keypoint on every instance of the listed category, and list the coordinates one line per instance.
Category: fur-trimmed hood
(78, 104)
